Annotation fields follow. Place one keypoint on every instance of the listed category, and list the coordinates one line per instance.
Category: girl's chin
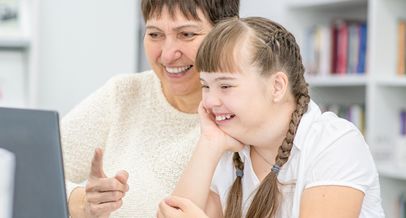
(231, 133)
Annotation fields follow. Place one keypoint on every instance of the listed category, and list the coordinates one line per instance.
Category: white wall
(275, 10)
(81, 45)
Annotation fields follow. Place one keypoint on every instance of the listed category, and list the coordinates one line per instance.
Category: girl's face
(240, 102)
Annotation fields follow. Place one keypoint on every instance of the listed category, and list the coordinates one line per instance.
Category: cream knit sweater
(140, 132)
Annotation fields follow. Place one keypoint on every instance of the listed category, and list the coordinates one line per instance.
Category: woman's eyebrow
(194, 26)
(152, 27)
(178, 28)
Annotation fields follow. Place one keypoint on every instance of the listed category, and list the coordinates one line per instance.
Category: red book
(342, 47)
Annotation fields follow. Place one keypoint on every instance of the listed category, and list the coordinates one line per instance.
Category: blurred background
(54, 53)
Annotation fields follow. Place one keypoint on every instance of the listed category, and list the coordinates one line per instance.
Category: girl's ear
(280, 86)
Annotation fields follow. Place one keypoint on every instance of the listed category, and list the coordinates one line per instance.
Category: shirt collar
(313, 111)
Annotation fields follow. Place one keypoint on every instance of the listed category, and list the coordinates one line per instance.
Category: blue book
(362, 48)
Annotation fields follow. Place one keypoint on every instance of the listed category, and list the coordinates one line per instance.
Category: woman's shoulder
(131, 79)
(131, 83)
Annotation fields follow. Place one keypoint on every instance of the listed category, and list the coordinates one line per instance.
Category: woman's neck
(187, 103)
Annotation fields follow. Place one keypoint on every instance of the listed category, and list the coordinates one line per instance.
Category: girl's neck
(262, 160)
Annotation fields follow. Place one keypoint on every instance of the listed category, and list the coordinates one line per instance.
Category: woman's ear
(280, 86)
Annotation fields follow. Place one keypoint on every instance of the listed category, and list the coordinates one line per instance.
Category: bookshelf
(379, 88)
(18, 53)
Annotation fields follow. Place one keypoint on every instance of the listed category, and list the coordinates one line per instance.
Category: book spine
(401, 69)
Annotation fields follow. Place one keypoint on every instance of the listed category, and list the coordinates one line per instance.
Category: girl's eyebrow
(222, 78)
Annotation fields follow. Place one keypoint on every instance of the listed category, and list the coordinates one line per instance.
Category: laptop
(33, 136)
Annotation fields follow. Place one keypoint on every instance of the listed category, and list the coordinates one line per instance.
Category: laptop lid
(33, 136)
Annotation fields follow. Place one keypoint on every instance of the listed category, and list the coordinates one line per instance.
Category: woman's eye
(187, 35)
(205, 86)
(154, 35)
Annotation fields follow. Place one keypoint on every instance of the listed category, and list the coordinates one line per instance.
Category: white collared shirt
(327, 150)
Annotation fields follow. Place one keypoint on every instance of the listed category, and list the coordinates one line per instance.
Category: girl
(265, 149)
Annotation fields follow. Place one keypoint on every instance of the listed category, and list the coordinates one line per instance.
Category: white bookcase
(19, 58)
(380, 89)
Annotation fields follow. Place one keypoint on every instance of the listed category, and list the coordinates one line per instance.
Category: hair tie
(275, 169)
(239, 173)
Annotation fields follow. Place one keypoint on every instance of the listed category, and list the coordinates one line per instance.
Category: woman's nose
(171, 51)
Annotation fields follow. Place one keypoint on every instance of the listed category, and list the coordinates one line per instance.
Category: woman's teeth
(176, 70)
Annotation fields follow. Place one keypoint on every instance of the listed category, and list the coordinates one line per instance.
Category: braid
(234, 201)
(286, 147)
(278, 52)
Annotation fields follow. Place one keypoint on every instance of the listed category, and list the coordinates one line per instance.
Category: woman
(289, 159)
(146, 123)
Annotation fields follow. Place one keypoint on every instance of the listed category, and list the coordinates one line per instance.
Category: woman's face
(171, 44)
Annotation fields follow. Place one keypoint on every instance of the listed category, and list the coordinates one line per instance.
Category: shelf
(14, 42)
(391, 170)
(337, 80)
(326, 4)
(393, 82)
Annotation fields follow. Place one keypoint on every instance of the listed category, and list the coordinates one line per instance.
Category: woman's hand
(103, 195)
(179, 207)
(212, 135)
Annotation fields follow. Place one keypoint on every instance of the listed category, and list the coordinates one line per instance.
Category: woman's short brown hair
(214, 10)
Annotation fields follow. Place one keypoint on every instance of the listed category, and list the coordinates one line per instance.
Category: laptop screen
(33, 136)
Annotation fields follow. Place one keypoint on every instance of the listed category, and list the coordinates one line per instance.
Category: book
(403, 123)
(362, 48)
(401, 57)
(9, 17)
(353, 47)
(342, 47)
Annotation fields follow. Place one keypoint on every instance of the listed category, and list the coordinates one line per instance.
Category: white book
(356, 112)
(325, 50)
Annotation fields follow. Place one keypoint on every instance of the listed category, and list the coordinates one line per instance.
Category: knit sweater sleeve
(85, 128)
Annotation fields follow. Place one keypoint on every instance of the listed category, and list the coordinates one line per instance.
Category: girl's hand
(212, 135)
(179, 207)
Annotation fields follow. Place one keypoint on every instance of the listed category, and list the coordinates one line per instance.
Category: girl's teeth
(223, 117)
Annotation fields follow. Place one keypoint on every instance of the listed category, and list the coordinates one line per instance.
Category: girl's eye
(225, 86)
(205, 86)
